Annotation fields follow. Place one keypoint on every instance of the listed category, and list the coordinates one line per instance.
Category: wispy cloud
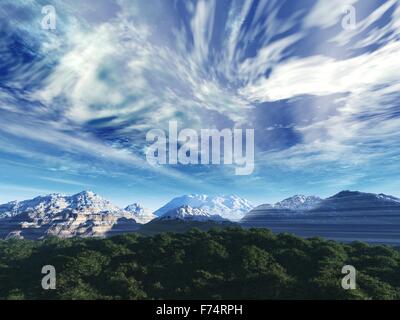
(65, 181)
(84, 97)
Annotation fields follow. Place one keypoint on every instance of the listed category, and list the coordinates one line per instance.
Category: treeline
(231, 263)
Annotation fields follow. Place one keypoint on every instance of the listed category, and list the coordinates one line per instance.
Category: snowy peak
(88, 201)
(387, 198)
(190, 214)
(53, 204)
(42, 205)
(298, 202)
(82, 214)
(140, 214)
(230, 207)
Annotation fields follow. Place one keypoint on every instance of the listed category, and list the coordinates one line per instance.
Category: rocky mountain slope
(83, 214)
(86, 214)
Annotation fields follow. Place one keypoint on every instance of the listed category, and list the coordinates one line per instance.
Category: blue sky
(76, 102)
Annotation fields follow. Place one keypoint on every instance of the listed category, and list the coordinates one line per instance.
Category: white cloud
(325, 14)
(202, 28)
(372, 35)
(117, 70)
(320, 75)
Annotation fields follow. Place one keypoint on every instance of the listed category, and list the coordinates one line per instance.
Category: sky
(321, 94)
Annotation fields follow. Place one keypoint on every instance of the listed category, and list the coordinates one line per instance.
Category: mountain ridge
(187, 213)
(345, 216)
(86, 214)
(82, 214)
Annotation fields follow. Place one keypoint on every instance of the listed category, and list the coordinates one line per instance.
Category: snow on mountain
(82, 214)
(140, 214)
(188, 213)
(229, 207)
(346, 206)
(346, 216)
(295, 205)
(387, 198)
(88, 201)
(298, 202)
(53, 204)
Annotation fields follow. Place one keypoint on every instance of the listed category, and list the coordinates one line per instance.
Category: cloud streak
(90, 91)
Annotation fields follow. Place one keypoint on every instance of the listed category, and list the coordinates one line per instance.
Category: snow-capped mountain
(353, 203)
(140, 214)
(346, 216)
(82, 214)
(52, 204)
(298, 202)
(229, 207)
(346, 206)
(188, 213)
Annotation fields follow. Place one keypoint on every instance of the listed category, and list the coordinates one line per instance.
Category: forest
(230, 263)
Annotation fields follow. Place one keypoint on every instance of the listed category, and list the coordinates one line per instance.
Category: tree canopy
(231, 263)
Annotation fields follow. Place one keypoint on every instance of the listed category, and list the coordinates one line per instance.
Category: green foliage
(229, 263)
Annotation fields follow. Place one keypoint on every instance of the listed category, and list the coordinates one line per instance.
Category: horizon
(78, 99)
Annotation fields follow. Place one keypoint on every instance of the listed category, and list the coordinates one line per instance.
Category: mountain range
(346, 215)
(83, 214)
(86, 214)
(345, 204)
